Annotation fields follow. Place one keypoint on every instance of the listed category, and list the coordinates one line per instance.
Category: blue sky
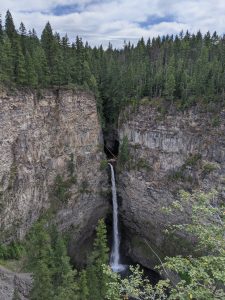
(104, 21)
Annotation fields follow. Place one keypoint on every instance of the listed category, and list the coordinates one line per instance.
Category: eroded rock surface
(14, 285)
(51, 147)
(179, 150)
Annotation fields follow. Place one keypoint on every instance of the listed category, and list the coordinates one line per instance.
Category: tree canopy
(185, 67)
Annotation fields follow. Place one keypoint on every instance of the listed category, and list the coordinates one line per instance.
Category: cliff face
(50, 153)
(181, 150)
(14, 285)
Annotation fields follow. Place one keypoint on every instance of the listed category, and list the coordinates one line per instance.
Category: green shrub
(209, 167)
(11, 251)
(176, 175)
(103, 164)
(216, 121)
(193, 159)
(143, 164)
(179, 175)
(62, 187)
(124, 153)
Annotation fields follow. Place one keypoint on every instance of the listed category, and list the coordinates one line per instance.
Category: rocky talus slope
(50, 154)
(178, 150)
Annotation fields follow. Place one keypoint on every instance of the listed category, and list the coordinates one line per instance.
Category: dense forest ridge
(189, 67)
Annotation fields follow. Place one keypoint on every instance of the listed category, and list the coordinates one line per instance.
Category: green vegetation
(124, 153)
(209, 167)
(202, 277)
(192, 159)
(12, 251)
(142, 164)
(180, 175)
(47, 258)
(186, 68)
(193, 163)
(216, 121)
(103, 164)
(61, 188)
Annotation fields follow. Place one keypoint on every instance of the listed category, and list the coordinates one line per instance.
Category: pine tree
(83, 286)
(23, 37)
(93, 282)
(170, 83)
(47, 41)
(31, 76)
(41, 67)
(42, 284)
(39, 246)
(96, 278)
(19, 65)
(1, 28)
(6, 62)
(63, 275)
(101, 250)
(9, 25)
(57, 65)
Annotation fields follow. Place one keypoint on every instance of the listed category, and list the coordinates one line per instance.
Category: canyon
(51, 157)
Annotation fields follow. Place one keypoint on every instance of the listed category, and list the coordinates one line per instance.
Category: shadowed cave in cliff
(111, 150)
(111, 144)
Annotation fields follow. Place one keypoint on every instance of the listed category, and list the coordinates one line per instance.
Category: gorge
(111, 157)
(45, 145)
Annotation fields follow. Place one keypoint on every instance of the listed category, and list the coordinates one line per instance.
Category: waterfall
(115, 253)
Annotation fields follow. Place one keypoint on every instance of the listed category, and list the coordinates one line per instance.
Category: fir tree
(19, 65)
(47, 41)
(1, 28)
(32, 78)
(83, 286)
(6, 62)
(42, 284)
(96, 279)
(9, 25)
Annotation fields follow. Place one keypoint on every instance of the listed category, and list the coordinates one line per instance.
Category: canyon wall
(14, 285)
(167, 152)
(51, 146)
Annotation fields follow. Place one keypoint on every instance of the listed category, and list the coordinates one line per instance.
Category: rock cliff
(14, 285)
(167, 153)
(51, 147)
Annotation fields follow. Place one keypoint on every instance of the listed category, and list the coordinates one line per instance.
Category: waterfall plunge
(115, 253)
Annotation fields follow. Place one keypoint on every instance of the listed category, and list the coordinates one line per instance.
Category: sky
(116, 21)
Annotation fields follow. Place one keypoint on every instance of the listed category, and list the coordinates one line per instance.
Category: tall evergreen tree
(1, 28)
(84, 293)
(19, 64)
(9, 25)
(100, 256)
(47, 41)
(6, 62)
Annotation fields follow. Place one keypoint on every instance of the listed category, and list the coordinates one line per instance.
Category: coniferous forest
(186, 67)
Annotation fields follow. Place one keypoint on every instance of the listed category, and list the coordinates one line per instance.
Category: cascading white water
(115, 253)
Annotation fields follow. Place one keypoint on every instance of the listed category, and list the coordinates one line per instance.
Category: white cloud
(119, 20)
